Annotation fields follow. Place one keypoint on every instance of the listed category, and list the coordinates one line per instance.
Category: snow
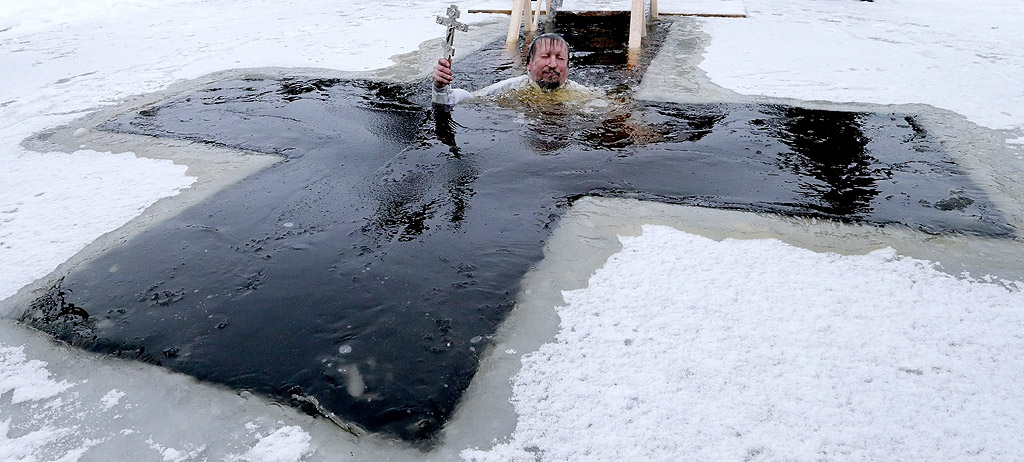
(22, 448)
(111, 399)
(961, 56)
(45, 196)
(44, 14)
(719, 350)
(108, 411)
(63, 59)
(28, 380)
(717, 7)
(286, 444)
(758, 350)
(174, 455)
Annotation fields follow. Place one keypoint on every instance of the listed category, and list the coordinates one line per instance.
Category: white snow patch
(43, 14)
(57, 403)
(53, 204)
(45, 444)
(168, 454)
(23, 448)
(758, 350)
(29, 380)
(171, 455)
(111, 399)
(287, 444)
(74, 454)
(960, 56)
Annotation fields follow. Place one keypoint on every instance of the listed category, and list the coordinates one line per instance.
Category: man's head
(548, 61)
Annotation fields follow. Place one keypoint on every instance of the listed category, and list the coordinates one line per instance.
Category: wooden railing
(523, 12)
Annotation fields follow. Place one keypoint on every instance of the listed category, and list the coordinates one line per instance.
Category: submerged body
(570, 90)
(547, 71)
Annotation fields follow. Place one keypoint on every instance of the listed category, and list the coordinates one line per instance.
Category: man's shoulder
(448, 95)
(511, 83)
(576, 86)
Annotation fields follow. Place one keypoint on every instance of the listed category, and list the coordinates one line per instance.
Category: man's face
(549, 66)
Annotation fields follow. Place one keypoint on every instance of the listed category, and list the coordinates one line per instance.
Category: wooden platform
(610, 13)
(526, 15)
(699, 8)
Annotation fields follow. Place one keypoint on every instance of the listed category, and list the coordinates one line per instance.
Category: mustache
(551, 73)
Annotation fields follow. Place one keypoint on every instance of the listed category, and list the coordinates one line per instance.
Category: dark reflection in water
(366, 270)
(828, 149)
(408, 200)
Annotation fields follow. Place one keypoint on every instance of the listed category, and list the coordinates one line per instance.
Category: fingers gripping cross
(447, 48)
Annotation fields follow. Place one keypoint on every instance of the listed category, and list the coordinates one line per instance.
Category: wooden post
(636, 24)
(532, 17)
(515, 21)
(643, 14)
(536, 16)
(654, 10)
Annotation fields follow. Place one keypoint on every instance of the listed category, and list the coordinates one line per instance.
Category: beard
(548, 86)
(549, 79)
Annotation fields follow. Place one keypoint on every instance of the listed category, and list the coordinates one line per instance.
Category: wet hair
(550, 38)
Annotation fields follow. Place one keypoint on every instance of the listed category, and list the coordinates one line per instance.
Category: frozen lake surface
(770, 370)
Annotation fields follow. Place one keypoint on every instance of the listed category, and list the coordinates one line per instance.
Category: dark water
(368, 267)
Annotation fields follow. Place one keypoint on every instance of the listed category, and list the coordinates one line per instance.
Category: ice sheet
(758, 350)
(960, 56)
(62, 59)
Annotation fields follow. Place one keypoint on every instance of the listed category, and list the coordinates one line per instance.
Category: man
(547, 67)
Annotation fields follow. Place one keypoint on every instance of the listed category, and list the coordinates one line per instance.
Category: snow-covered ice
(111, 399)
(27, 380)
(804, 356)
(961, 56)
(44, 195)
(64, 59)
(733, 349)
(284, 445)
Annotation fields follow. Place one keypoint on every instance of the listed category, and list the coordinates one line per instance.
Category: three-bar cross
(447, 50)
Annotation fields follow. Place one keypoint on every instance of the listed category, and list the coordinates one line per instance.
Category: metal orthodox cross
(451, 22)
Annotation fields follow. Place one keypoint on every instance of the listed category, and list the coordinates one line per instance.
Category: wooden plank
(536, 17)
(617, 13)
(515, 22)
(636, 24)
(643, 15)
(530, 18)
